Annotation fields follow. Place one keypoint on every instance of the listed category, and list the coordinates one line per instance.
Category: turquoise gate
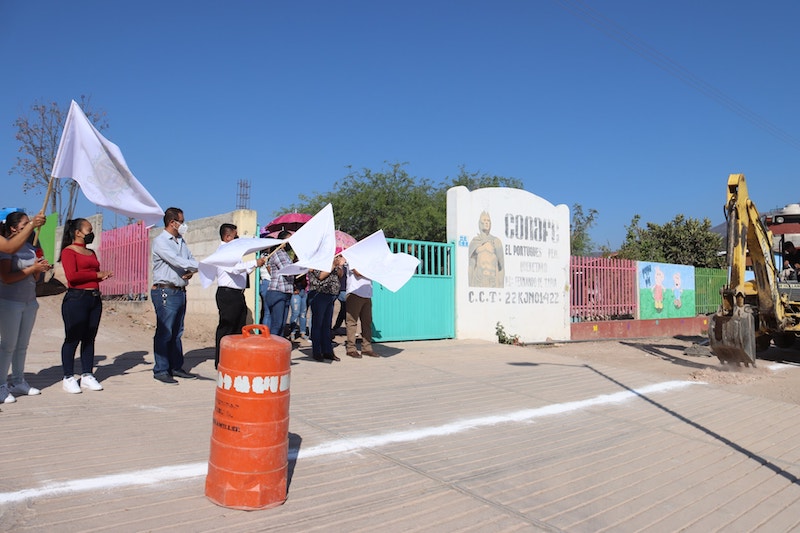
(424, 308)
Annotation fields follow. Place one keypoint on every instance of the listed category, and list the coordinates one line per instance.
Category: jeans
(16, 325)
(278, 303)
(81, 311)
(170, 307)
(262, 289)
(299, 311)
(321, 317)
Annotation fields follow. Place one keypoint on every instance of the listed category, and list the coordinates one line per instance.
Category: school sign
(512, 264)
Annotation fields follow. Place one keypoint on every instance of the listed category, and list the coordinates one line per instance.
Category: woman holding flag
(9, 245)
(19, 272)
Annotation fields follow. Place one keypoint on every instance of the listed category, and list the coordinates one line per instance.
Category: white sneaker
(24, 389)
(70, 384)
(88, 381)
(5, 396)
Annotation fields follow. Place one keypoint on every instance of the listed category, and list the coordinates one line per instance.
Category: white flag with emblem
(99, 168)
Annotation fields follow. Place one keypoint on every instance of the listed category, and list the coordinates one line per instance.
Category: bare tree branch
(38, 134)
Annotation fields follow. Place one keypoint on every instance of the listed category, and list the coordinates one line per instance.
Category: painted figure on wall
(676, 290)
(485, 256)
(658, 290)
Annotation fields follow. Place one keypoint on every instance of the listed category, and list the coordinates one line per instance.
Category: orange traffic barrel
(249, 459)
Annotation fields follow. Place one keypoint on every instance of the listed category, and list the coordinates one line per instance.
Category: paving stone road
(433, 436)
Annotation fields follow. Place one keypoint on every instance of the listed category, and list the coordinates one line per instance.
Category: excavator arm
(751, 310)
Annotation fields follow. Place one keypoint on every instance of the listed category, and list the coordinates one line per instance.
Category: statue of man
(485, 256)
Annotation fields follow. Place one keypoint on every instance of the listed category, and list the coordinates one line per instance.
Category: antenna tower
(243, 195)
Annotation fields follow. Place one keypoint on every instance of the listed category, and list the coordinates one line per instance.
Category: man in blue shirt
(173, 266)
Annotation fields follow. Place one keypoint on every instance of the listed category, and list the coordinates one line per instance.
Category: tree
(39, 135)
(401, 205)
(365, 201)
(579, 241)
(477, 180)
(681, 241)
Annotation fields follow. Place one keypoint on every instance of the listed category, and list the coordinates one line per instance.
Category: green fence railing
(708, 282)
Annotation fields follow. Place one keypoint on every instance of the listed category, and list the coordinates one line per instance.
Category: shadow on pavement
(194, 358)
(119, 366)
(744, 451)
(658, 350)
(295, 441)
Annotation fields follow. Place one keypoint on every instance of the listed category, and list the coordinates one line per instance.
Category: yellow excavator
(758, 311)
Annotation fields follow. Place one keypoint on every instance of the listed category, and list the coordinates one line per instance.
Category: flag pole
(44, 206)
(257, 298)
(55, 166)
(275, 251)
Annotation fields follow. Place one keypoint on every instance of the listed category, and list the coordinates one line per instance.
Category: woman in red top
(82, 306)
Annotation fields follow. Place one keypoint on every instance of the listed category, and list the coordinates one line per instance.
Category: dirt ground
(776, 375)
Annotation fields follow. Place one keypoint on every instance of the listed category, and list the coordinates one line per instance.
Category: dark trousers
(321, 316)
(340, 318)
(81, 312)
(232, 315)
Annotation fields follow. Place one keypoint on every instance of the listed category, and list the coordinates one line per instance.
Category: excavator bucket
(733, 337)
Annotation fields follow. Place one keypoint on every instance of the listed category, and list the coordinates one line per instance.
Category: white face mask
(182, 229)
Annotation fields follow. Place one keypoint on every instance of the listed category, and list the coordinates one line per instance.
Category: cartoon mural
(656, 300)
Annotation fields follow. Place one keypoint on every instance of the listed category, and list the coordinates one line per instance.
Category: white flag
(99, 168)
(314, 243)
(228, 255)
(374, 260)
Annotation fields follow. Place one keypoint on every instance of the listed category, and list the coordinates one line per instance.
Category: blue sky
(202, 94)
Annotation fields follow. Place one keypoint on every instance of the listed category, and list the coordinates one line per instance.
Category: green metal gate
(424, 308)
(707, 283)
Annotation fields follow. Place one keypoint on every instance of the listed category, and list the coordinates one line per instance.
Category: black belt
(168, 286)
(93, 292)
(231, 289)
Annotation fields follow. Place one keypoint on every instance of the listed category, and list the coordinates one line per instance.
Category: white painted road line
(781, 366)
(525, 415)
(192, 470)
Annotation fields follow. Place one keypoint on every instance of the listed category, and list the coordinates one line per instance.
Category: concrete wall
(630, 329)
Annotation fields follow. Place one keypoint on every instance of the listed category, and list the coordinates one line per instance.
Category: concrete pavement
(433, 436)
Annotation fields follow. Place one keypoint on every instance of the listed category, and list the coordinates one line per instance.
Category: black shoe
(181, 373)
(165, 378)
(318, 358)
(330, 356)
